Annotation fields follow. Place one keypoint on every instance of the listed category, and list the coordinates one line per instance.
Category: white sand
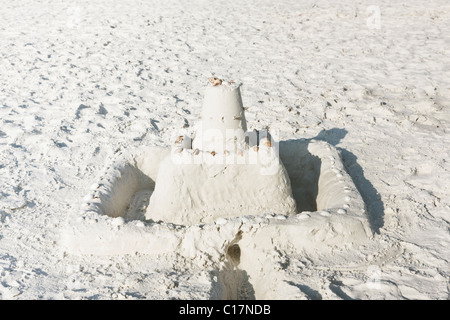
(81, 83)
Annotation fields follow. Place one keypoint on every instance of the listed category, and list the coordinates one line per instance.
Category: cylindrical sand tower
(223, 126)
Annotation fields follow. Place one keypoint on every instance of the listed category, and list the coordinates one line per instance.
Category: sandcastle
(222, 186)
(222, 172)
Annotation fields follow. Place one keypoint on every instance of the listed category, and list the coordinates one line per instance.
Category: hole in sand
(234, 254)
(233, 283)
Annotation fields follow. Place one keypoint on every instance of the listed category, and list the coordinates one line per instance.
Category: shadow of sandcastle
(374, 204)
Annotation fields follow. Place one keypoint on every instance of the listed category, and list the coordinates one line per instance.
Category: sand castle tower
(223, 171)
(223, 126)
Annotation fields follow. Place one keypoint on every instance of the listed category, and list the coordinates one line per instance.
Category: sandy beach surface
(82, 81)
